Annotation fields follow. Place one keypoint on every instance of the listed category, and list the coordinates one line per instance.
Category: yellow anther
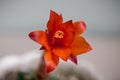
(59, 34)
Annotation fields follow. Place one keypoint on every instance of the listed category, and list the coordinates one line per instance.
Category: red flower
(61, 40)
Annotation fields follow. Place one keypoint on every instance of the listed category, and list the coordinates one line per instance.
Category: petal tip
(31, 35)
(80, 27)
(53, 12)
(90, 48)
(83, 25)
(73, 59)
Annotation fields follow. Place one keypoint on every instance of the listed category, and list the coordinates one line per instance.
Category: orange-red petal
(55, 17)
(62, 52)
(41, 38)
(69, 26)
(68, 33)
(80, 27)
(80, 46)
(51, 61)
(54, 21)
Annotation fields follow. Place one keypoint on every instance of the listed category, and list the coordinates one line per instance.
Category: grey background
(101, 16)
(19, 17)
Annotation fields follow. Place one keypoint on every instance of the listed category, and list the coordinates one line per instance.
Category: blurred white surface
(26, 62)
(30, 61)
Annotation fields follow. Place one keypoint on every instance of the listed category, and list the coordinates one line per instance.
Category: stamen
(59, 34)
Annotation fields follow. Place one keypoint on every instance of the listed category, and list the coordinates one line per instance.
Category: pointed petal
(42, 48)
(69, 26)
(54, 21)
(68, 33)
(80, 27)
(41, 38)
(73, 59)
(80, 46)
(62, 52)
(51, 61)
(55, 17)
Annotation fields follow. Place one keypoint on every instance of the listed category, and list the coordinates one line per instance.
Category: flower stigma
(59, 34)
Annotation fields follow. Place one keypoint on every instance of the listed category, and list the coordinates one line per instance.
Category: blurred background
(19, 17)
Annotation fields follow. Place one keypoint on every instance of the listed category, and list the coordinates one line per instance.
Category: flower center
(59, 34)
